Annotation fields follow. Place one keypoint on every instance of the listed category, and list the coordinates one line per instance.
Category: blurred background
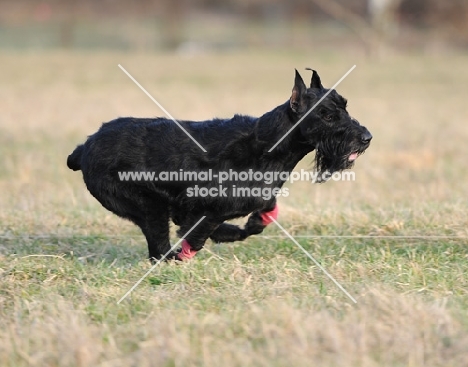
(198, 25)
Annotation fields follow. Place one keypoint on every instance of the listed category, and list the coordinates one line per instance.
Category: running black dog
(237, 145)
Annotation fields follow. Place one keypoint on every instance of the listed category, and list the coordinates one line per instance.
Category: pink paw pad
(267, 217)
(186, 253)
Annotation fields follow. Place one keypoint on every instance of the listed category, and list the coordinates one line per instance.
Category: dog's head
(337, 137)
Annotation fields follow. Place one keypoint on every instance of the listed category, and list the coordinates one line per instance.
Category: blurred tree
(173, 14)
(384, 17)
(375, 22)
(445, 20)
(354, 21)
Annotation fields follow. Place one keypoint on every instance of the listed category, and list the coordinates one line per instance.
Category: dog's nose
(366, 137)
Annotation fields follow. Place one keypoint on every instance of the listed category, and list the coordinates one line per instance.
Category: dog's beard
(331, 157)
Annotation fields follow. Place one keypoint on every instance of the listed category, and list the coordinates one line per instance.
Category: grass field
(65, 261)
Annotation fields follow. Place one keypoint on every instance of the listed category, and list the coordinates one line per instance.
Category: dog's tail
(74, 159)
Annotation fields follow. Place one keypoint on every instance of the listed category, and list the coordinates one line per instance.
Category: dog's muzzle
(366, 137)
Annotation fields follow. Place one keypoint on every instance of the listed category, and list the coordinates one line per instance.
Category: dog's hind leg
(151, 214)
(155, 227)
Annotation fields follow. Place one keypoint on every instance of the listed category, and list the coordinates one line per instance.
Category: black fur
(240, 143)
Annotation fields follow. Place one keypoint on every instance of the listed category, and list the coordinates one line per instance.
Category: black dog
(239, 144)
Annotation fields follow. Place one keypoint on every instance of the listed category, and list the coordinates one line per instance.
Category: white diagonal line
(315, 261)
(159, 261)
(315, 105)
(162, 108)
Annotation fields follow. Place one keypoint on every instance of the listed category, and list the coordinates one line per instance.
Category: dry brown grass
(260, 303)
(272, 333)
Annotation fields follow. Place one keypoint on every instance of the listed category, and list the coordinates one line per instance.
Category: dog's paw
(186, 252)
(269, 217)
(259, 220)
(254, 225)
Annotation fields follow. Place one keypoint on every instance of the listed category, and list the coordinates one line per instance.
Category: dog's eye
(328, 117)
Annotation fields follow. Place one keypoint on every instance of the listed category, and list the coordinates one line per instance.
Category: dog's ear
(297, 101)
(315, 82)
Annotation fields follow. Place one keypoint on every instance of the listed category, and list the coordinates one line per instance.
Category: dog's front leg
(227, 232)
(260, 219)
(256, 224)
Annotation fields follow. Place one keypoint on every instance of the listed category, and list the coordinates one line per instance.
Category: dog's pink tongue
(352, 156)
(186, 253)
